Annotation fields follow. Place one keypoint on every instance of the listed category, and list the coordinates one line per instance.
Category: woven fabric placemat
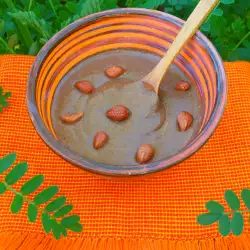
(154, 213)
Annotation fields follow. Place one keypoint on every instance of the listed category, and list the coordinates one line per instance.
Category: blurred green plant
(26, 25)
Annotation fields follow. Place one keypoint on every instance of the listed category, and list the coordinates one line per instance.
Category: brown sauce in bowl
(124, 137)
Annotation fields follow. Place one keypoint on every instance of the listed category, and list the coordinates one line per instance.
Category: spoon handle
(198, 16)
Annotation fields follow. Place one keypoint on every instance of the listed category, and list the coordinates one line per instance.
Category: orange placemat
(156, 213)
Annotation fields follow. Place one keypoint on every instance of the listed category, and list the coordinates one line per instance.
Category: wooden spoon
(198, 16)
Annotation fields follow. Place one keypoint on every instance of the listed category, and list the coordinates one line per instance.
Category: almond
(100, 139)
(114, 71)
(72, 118)
(182, 86)
(145, 153)
(85, 86)
(118, 113)
(184, 120)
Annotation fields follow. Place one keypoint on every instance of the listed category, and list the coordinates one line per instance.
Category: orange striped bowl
(135, 29)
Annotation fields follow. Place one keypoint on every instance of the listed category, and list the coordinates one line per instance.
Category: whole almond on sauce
(182, 86)
(85, 86)
(114, 71)
(101, 138)
(72, 118)
(185, 121)
(118, 113)
(145, 153)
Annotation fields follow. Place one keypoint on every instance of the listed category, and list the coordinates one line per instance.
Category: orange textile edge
(26, 241)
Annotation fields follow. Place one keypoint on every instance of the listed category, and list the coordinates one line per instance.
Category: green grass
(26, 25)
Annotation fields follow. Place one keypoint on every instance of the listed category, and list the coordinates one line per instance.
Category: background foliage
(26, 25)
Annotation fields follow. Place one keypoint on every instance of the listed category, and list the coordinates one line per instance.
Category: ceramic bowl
(135, 29)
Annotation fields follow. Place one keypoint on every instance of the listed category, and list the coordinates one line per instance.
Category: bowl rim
(126, 170)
